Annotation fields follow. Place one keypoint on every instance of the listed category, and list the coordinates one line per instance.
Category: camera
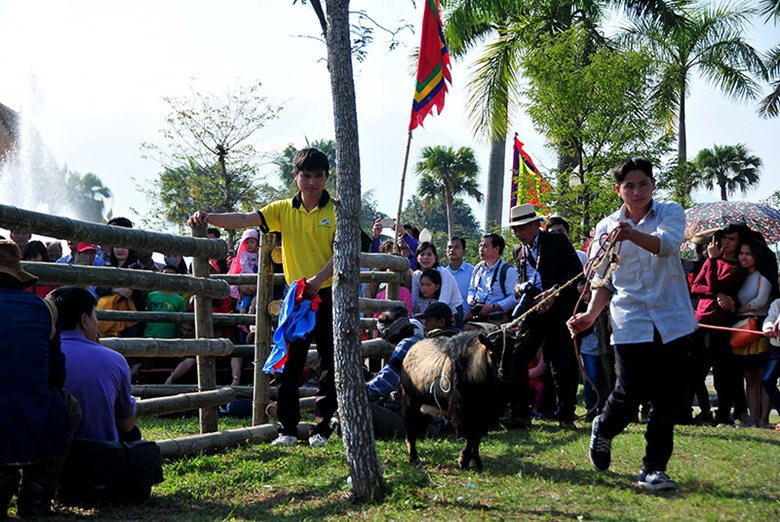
(476, 309)
(527, 292)
(387, 222)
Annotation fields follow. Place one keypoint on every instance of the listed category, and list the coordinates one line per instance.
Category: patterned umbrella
(706, 216)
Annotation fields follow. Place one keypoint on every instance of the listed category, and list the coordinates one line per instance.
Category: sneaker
(317, 440)
(600, 448)
(656, 480)
(285, 440)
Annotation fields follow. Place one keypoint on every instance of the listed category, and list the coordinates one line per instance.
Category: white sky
(92, 75)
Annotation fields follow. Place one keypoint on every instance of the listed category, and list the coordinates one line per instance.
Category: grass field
(541, 474)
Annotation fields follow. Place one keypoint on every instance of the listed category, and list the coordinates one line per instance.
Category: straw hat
(11, 263)
(522, 214)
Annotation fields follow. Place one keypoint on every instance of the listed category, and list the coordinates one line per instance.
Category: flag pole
(401, 195)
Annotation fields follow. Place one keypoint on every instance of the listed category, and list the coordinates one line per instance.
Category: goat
(466, 376)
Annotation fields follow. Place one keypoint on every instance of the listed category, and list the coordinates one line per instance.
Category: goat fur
(459, 375)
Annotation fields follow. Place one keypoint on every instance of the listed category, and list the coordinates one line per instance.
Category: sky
(91, 76)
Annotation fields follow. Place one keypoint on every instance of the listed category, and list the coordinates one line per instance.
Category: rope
(727, 329)
(441, 380)
(608, 252)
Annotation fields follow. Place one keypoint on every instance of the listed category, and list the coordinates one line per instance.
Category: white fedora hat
(522, 214)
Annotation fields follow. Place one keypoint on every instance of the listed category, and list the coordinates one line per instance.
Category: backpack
(109, 472)
(501, 276)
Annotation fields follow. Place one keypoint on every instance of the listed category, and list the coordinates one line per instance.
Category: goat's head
(500, 346)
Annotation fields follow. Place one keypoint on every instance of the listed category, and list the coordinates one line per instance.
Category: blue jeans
(592, 366)
(771, 374)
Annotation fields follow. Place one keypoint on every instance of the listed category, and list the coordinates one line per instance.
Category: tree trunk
(448, 205)
(684, 183)
(359, 444)
(495, 183)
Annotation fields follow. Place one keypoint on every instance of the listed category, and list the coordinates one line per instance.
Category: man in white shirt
(651, 318)
(491, 293)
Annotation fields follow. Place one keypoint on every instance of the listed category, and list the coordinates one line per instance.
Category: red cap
(82, 247)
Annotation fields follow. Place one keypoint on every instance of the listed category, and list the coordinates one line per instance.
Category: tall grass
(541, 474)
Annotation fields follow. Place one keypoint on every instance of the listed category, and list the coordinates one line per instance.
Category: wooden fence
(206, 397)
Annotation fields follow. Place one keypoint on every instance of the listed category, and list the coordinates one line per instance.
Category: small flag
(433, 67)
(527, 184)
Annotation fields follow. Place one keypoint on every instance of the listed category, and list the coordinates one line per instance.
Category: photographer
(545, 260)
(491, 296)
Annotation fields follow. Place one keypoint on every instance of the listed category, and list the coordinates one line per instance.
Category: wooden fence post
(265, 294)
(204, 329)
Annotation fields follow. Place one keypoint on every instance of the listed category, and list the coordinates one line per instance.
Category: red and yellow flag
(528, 185)
(433, 67)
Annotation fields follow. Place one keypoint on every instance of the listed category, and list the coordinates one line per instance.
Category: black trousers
(698, 365)
(549, 331)
(288, 382)
(726, 374)
(648, 372)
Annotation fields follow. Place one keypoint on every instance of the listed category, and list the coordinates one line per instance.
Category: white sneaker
(317, 440)
(285, 440)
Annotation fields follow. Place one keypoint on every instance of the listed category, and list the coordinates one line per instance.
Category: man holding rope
(651, 318)
(545, 261)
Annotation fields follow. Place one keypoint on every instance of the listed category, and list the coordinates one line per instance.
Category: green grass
(541, 474)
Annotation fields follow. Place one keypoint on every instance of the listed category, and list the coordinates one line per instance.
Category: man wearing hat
(437, 320)
(544, 261)
(37, 415)
(402, 333)
(88, 250)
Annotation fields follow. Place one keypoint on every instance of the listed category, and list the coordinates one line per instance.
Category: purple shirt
(99, 379)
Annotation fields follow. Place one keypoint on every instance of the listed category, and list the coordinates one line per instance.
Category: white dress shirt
(649, 290)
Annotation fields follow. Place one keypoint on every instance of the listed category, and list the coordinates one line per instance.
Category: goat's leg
(412, 420)
(471, 453)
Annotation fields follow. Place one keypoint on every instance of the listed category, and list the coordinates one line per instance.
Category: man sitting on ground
(98, 377)
(402, 333)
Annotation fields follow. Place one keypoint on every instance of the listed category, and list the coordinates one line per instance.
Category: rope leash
(441, 380)
(608, 252)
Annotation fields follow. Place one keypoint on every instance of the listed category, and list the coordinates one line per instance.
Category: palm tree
(508, 28)
(770, 105)
(712, 43)
(448, 172)
(731, 167)
(87, 195)
(284, 162)
(511, 28)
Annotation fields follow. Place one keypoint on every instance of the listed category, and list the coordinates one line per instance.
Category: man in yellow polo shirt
(307, 222)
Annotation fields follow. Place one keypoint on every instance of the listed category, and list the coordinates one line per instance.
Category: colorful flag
(528, 186)
(433, 67)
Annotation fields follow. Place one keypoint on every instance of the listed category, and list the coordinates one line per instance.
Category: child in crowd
(164, 301)
(430, 288)
(245, 262)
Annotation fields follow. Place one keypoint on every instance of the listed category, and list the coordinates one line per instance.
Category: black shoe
(514, 422)
(33, 501)
(600, 450)
(567, 425)
(9, 486)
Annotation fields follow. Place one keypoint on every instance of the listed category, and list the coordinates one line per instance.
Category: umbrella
(707, 216)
